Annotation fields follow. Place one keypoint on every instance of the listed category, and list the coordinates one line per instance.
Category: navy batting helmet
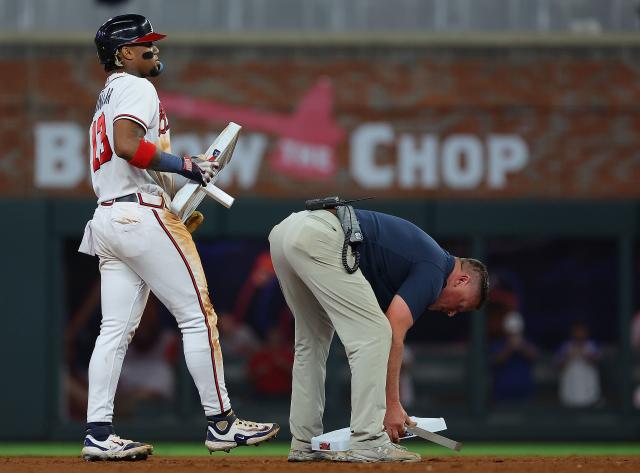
(121, 30)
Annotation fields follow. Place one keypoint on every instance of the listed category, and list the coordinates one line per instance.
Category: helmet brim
(150, 37)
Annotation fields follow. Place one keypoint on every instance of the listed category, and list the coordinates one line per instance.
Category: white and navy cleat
(114, 448)
(231, 432)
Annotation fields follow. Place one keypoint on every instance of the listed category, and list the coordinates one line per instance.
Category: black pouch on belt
(352, 235)
(350, 224)
(348, 220)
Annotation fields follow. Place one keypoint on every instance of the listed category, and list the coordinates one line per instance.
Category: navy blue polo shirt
(397, 257)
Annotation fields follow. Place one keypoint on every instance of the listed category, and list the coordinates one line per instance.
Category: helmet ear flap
(116, 58)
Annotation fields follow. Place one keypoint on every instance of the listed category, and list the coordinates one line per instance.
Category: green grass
(280, 449)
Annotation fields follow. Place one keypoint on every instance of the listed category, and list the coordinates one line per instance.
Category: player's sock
(221, 416)
(100, 430)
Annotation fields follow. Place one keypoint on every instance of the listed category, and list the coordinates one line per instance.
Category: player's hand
(394, 421)
(199, 169)
(191, 170)
(209, 164)
(194, 221)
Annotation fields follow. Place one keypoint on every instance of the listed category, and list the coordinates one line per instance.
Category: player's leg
(174, 273)
(353, 310)
(123, 297)
(313, 334)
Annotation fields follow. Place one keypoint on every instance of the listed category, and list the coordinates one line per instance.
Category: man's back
(397, 257)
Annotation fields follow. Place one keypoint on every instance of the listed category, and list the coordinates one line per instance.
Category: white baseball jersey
(125, 97)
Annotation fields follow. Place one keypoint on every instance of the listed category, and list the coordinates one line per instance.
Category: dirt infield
(573, 464)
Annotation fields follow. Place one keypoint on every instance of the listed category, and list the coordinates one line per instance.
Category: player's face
(149, 55)
(144, 58)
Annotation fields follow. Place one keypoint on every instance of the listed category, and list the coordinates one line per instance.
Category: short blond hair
(482, 276)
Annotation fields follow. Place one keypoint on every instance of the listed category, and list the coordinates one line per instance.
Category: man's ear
(463, 279)
(126, 53)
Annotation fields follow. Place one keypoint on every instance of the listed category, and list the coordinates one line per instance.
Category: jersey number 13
(99, 138)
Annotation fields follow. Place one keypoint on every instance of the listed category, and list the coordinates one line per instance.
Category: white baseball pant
(143, 246)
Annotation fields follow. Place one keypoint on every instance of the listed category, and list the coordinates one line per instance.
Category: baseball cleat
(114, 448)
(231, 432)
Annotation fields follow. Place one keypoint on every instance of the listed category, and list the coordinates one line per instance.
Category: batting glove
(198, 169)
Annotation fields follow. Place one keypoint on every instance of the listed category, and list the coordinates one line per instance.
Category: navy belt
(136, 197)
(127, 198)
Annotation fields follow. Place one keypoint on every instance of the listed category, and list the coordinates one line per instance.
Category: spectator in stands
(499, 303)
(512, 357)
(578, 359)
(259, 308)
(270, 367)
(260, 303)
(237, 338)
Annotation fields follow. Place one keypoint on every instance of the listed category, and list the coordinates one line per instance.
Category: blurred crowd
(256, 334)
(513, 358)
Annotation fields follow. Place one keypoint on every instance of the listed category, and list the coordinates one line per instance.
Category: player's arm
(399, 316)
(129, 144)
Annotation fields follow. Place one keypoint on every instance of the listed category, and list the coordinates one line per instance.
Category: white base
(340, 440)
(189, 197)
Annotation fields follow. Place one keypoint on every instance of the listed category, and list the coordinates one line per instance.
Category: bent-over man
(403, 272)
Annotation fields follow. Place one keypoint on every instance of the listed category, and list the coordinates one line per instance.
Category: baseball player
(142, 246)
(402, 273)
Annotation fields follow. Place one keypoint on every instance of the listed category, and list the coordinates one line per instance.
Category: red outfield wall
(390, 122)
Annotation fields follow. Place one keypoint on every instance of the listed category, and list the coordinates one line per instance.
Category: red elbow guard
(144, 154)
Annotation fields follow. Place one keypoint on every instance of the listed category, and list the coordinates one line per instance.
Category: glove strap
(187, 164)
(190, 170)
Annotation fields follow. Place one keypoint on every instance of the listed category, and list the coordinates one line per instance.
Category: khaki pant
(306, 251)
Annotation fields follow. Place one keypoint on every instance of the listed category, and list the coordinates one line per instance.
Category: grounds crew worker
(402, 273)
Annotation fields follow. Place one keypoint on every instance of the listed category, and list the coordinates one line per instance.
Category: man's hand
(208, 165)
(394, 421)
(199, 169)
